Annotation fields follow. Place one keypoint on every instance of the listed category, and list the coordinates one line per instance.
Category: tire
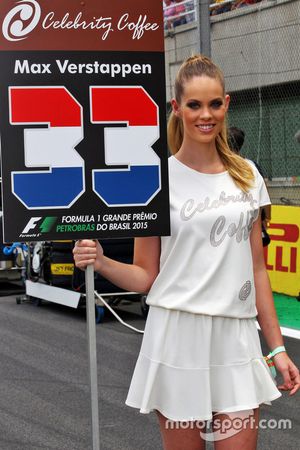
(36, 301)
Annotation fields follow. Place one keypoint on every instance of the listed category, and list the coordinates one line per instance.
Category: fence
(258, 49)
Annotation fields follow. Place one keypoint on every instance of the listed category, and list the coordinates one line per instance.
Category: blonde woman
(201, 358)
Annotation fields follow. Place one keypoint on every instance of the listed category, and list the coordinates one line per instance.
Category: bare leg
(236, 431)
(186, 437)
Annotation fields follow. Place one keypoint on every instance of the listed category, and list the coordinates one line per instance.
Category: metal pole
(203, 21)
(92, 352)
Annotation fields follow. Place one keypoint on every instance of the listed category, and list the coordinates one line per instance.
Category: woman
(201, 357)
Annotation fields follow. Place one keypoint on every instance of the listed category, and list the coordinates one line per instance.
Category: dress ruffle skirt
(191, 365)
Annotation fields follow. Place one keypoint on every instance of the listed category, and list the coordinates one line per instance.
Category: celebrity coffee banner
(82, 119)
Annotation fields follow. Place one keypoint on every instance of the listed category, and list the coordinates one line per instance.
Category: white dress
(201, 351)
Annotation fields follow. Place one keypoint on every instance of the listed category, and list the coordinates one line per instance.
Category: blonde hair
(238, 168)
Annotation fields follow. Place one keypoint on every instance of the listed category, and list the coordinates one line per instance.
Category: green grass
(288, 310)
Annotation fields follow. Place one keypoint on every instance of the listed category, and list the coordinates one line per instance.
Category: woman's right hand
(86, 252)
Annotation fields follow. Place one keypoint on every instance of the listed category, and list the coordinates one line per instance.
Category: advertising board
(82, 119)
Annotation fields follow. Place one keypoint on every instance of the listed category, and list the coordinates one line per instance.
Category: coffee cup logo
(21, 20)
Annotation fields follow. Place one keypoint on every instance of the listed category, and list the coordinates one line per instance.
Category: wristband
(271, 366)
(276, 350)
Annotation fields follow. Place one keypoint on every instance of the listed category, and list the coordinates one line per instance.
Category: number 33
(57, 178)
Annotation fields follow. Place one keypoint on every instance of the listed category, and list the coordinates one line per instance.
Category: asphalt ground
(44, 391)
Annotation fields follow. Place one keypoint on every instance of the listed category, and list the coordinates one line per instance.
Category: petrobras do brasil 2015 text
(104, 222)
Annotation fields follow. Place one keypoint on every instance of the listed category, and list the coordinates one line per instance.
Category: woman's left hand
(289, 372)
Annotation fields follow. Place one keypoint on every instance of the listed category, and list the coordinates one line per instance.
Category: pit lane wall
(283, 254)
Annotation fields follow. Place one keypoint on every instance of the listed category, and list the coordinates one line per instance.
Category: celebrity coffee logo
(23, 18)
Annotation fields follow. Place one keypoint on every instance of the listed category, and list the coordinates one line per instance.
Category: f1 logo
(31, 224)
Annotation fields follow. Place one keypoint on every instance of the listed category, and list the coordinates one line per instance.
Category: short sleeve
(263, 195)
(261, 192)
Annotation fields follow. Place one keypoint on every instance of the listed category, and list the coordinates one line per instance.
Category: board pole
(92, 352)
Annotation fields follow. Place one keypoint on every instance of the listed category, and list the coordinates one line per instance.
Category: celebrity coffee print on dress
(240, 231)
(220, 229)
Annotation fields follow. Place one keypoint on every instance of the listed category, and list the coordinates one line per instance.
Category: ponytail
(238, 168)
(175, 133)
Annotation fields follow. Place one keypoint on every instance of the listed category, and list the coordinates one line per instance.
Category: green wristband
(276, 350)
